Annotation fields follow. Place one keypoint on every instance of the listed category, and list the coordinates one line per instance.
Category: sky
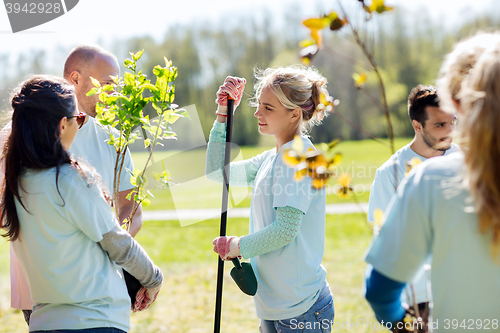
(104, 20)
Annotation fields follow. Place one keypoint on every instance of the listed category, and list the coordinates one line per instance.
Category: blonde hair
(457, 65)
(295, 87)
(480, 100)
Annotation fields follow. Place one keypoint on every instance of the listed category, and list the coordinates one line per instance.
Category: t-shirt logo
(26, 14)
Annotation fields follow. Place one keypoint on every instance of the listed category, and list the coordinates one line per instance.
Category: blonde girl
(287, 219)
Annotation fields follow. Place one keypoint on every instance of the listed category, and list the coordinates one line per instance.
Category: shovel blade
(245, 278)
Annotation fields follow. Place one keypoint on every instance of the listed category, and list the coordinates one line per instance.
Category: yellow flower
(378, 217)
(345, 190)
(318, 164)
(412, 163)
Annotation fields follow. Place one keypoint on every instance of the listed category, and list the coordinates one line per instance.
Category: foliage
(336, 21)
(120, 111)
(320, 165)
(409, 47)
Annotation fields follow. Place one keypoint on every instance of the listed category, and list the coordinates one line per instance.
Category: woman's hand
(232, 88)
(227, 247)
(145, 297)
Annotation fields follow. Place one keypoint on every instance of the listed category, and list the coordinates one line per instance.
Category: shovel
(243, 275)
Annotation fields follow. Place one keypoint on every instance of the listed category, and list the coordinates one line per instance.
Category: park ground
(186, 302)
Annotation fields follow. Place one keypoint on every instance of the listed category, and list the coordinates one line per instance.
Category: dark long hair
(39, 104)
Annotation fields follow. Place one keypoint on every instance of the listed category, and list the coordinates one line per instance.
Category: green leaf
(129, 195)
(171, 118)
(129, 79)
(182, 113)
(108, 87)
(128, 63)
(138, 55)
(95, 82)
(147, 143)
(93, 91)
(167, 63)
(146, 202)
(156, 176)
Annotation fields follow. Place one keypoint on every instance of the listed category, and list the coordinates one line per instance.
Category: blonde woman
(449, 208)
(458, 64)
(287, 219)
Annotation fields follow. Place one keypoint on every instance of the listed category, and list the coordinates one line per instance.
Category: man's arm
(125, 209)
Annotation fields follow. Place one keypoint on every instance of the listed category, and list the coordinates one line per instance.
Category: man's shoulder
(447, 165)
(399, 158)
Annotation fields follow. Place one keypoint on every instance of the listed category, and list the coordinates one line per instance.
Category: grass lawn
(360, 159)
(186, 302)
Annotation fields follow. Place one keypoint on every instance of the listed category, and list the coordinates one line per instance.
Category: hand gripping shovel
(242, 274)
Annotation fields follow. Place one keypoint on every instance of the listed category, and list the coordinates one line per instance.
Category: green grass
(186, 302)
(360, 159)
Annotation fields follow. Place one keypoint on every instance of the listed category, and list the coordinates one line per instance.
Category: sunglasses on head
(80, 119)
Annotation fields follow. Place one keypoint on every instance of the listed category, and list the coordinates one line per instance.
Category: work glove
(145, 297)
(233, 87)
(227, 247)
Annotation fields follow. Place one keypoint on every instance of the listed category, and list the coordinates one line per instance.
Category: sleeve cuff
(218, 132)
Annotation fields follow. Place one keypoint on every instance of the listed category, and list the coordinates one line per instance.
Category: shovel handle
(223, 220)
(236, 262)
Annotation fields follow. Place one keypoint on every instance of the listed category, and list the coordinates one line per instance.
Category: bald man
(82, 63)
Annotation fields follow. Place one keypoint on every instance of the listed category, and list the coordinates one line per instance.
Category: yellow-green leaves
(122, 106)
(318, 164)
(137, 56)
(412, 163)
(378, 217)
(327, 102)
(359, 79)
(345, 189)
(377, 6)
(317, 24)
(307, 53)
(336, 23)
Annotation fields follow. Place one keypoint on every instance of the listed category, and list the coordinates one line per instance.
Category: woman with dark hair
(58, 216)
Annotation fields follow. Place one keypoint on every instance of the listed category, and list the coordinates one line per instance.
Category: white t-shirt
(74, 284)
(290, 278)
(384, 185)
(91, 145)
(432, 216)
(383, 189)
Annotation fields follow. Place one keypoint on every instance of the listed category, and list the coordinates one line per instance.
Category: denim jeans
(85, 330)
(318, 319)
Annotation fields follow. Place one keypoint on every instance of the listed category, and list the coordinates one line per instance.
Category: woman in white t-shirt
(287, 218)
(59, 219)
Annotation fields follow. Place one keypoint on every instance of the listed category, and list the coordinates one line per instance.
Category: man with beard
(433, 129)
